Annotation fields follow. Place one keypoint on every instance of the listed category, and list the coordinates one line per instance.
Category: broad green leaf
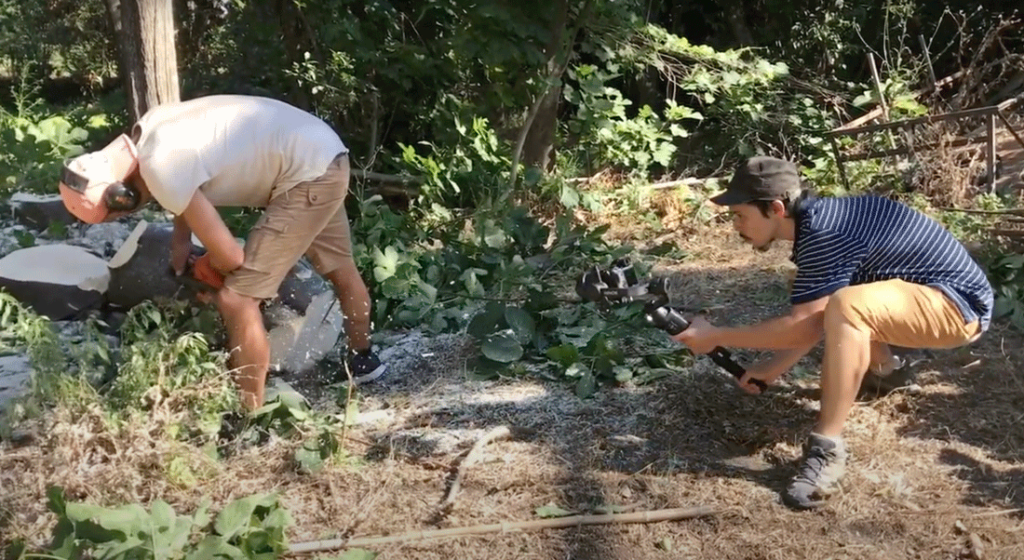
(212, 547)
(308, 458)
(522, 324)
(551, 510)
(586, 386)
(565, 354)
(238, 514)
(115, 549)
(127, 519)
(502, 348)
(385, 264)
(162, 515)
(487, 320)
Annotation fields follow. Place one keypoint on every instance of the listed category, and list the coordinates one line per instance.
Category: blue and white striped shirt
(861, 239)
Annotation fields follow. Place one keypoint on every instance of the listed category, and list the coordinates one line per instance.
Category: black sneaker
(364, 365)
(823, 467)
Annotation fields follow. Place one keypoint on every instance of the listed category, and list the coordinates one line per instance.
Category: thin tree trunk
(540, 138)
(555, 73)
(149, 61)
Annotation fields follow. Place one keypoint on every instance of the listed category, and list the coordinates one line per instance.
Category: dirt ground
(936, 473)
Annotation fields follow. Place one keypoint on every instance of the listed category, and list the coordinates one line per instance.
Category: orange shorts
(904, 314)
(308, 219)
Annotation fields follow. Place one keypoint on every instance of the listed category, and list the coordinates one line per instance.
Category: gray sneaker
(824, 464)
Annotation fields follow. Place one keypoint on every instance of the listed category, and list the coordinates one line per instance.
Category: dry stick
(510, 526)
(471, 457)
(1008, 211)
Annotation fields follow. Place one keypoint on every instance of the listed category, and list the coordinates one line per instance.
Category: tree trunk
(540, 139)
(146, 43)
(298, 40)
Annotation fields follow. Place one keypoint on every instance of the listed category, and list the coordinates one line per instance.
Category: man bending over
(233, 150)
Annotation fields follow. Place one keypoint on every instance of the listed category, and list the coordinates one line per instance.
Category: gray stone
(15, 372)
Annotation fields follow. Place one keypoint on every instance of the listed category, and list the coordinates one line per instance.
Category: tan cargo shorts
(901, 313)
(308, 219)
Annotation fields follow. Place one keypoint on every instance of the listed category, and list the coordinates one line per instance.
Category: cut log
(59, 281)
(38, 212)
(303, 321)
(140, 270)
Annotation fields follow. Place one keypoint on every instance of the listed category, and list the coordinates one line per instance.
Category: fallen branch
(509, 527)
(471, 457)
(1007, 212)
(681, 182)
(1006, 232)
(384, 178)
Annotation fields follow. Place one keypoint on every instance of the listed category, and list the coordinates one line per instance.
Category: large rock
(59, 281)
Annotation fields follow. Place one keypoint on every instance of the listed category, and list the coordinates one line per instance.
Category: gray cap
(761, 178)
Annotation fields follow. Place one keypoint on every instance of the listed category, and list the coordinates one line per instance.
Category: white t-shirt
(238, 150)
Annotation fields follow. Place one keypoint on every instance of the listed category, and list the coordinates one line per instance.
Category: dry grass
(928, 470)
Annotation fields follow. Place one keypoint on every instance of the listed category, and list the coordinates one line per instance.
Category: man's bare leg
(355, 303)
(247, 339)
(846, 360)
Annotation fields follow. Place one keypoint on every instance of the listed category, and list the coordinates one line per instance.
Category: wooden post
(928, 61)
(990, 153)
(881, 96)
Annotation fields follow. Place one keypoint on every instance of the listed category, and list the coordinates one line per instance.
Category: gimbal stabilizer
(619, 284)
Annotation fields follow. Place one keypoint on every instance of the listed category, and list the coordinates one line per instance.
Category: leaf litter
(923, 465)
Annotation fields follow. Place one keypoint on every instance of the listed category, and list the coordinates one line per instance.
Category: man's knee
(345, 274)
(231, 303)
(842, 308)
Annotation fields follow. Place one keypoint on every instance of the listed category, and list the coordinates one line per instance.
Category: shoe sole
(372, 376)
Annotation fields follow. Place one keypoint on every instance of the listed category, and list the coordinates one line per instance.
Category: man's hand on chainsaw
(203, 270)
(701, 337)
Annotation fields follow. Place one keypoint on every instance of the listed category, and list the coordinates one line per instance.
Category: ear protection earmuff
(117, 197)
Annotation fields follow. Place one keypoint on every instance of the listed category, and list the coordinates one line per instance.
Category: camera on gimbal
(619, 284)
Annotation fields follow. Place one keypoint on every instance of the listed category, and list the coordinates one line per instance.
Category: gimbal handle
(673, 322)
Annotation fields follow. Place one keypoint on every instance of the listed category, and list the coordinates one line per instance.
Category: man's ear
(779, 208)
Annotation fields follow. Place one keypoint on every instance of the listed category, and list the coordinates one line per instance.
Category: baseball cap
(760, 178)
(85, 179)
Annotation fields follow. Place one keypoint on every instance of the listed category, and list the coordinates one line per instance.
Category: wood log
(59, 281)
(304, 320)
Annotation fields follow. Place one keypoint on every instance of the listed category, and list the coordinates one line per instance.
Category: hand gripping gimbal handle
(673, 322)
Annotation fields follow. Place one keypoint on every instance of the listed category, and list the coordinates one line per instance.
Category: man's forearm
(784, 360)
(780, 333)
(181, 231)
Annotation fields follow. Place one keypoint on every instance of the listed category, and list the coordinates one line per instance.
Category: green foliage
(250, 527)
(1006, 272)
(506, 279)
(38, 139)
(602, 125)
